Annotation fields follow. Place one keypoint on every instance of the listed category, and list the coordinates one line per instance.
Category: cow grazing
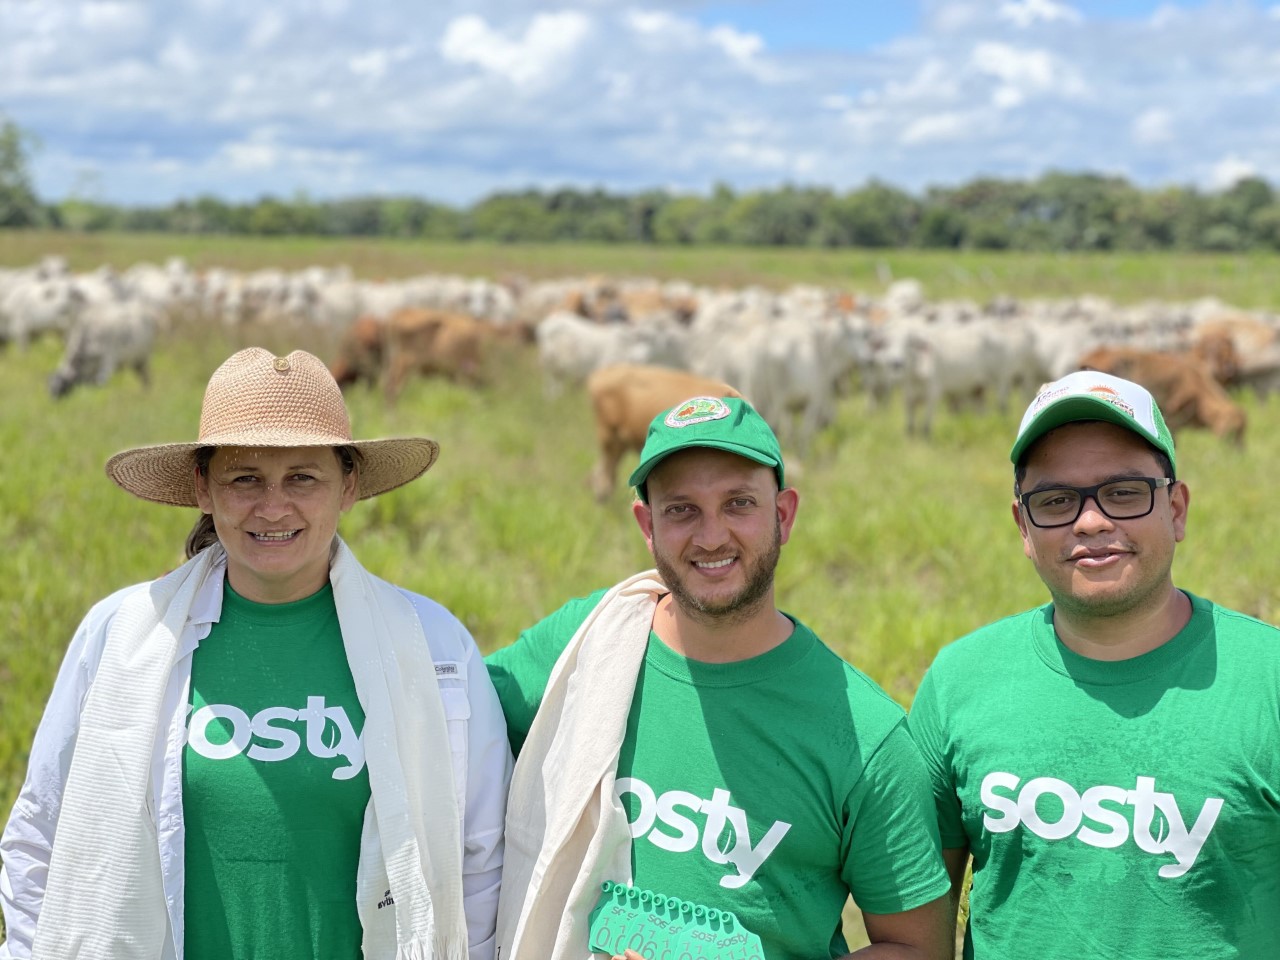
(110, 336)
(1251, 349)
(625, 398)
(361, 352)
(964, 364)
(570, 348)
(413, 340)
(36, 305)
(1183, 386)
(791, 370)
(435, 343)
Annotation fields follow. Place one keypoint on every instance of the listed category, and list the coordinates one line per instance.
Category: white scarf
(566, 831)
(104, 899)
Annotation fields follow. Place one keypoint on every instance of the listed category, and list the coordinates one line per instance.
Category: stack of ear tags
(666, 928)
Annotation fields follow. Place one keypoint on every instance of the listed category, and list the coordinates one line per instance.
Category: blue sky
(137, 102)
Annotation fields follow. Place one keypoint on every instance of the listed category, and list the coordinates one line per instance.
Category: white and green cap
(1090, 395)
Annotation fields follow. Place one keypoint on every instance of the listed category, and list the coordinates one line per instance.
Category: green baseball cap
(1090, 395)
(729, 424)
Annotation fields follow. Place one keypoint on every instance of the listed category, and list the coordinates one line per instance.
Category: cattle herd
(637, 345)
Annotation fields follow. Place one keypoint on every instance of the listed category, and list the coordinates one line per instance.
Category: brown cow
(1217, 350)
(434, 343)
(626, 397)
(1184, 388)
(603, 301)
(361, 353)
(413, 340)
(1254, 348)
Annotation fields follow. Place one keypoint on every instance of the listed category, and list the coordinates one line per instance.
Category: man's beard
(735, 609)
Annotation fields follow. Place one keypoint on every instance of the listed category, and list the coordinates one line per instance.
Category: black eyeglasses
(1125, 499)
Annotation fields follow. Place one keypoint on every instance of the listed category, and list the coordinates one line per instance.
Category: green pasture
(901, 545)
(1246, 280)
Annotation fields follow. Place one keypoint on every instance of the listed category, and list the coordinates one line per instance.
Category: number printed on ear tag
(666, 928)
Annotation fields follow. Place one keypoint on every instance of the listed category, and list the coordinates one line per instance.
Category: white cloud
(178, 55)
(266, 30)
(660, 30)
(1228, 170)
(957, 16)
(619, 86)
(1154, 126)
(374, 64)
(758, 155)
(932, 80)
(455, 100)
(1025, 67)
(659, 23)
(1168, 15)
(113, 17)
(937, 128)
(548, 40)
(741, 47)
(1024, 13)
(251, 156)
(1023, 73)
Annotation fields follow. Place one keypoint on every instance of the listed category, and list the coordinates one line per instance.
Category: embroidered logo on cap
(1045, 397)
(1099, 390)
(1103, 392)
(697, 410)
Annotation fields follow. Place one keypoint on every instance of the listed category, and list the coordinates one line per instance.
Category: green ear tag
(666, 928)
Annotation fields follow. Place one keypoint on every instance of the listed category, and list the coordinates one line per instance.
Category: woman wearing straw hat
(268, 752)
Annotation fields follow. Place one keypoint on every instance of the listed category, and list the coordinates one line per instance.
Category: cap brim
(641, 473)
(1073, 410)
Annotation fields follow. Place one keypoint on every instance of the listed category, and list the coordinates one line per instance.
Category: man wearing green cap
(680, 734)
(1111, 759)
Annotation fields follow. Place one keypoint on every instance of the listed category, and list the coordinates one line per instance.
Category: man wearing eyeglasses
(1111, 760)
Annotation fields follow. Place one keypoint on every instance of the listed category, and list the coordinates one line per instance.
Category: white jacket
(477, 741)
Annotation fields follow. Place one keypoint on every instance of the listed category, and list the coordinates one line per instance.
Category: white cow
(38, 305)
(570, 348)
(1059, 343)
(790, 370)
(107, 337)
(883, 362)
(964, 363)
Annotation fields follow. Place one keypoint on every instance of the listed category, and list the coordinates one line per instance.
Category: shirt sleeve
(27, 841)
(520, 671)
(893, 859)
(488, 777)
(927, 730)
(481, 766)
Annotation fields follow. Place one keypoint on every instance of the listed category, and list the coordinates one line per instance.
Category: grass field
(900, 545)
(1246, 280)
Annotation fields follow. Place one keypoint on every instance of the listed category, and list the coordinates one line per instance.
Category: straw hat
(256, 399)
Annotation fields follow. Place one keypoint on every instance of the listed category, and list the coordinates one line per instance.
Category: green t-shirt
(771, 787)
(1114, 809)
(274, 786)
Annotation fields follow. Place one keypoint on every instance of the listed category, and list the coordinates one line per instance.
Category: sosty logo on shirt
(1106, 827)
(719, 817)
(267, 735)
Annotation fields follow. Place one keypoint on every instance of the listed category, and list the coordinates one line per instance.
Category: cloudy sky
(145, 102)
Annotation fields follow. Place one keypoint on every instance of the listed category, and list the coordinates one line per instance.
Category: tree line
(1058, 211)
